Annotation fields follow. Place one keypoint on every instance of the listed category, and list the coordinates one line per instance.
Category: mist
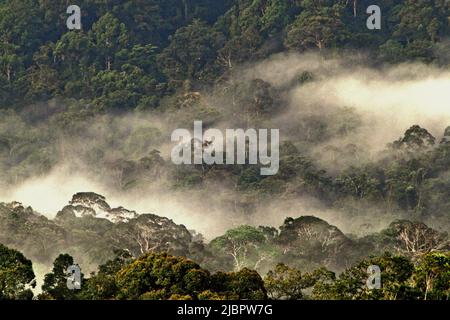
(386, 101)
(389, 99)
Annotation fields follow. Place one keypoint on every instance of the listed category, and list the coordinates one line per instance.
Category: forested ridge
(100, 103)
(129, 55)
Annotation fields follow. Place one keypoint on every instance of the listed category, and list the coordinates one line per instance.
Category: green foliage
(432, 276)
(244, 246)
(16, 275)
(400, 280)
(102, 285)
(161, 273)
(191, 54)
(245, 284)
(395, 273)
(415, 138)
(318, 26)
(55, 283)
(286, 283)
(160, 276)
(197, 42)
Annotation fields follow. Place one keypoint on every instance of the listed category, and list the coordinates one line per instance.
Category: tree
(108, 36)
(432, 276)
(42, 76)
(21, 25)
(10, 62)
(22, 32)
(416, 138)
(277, 14)
(415, 237)
(319, 26)
(245, 284)
(359, 183)
(102, 285)
(416, 27)
(55, 283)
(16, 275)
(351, 284)
(162, 276)
(421, 20)
(159, 275)
(244, 244)
(285, 283)
(313, 240)
(73, 53)
(141, 56)
(191, 54)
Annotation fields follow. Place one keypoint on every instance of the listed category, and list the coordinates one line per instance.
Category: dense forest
(364, 175)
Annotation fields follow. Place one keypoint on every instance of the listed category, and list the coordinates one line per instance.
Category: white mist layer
(390, 100)
(395, 104)
(48, 195)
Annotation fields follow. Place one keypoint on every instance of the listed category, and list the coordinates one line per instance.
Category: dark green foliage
(285, 283)
(432, 277)
(191, 54)
(400, 280)
(16, 275)
(198, 41)
(160, 276)
(55, 283)
(319, 26)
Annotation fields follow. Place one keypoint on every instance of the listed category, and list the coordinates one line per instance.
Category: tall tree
(191, 53)
(16, 275)
(108, 36)
(55, 283)
(318, 26)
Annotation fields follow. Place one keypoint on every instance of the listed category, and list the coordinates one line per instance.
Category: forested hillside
(130, 55)
(364, 157)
